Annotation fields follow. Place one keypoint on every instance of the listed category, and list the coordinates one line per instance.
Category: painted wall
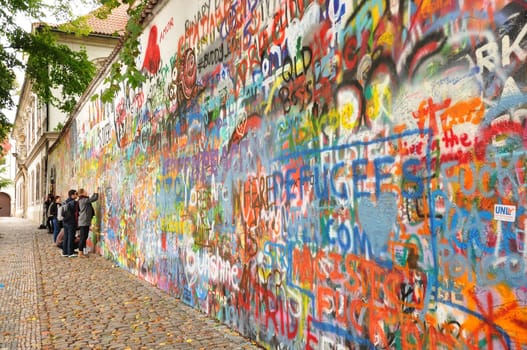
(322, 174)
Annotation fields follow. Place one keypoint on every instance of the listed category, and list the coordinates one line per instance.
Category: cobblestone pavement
(52, 302)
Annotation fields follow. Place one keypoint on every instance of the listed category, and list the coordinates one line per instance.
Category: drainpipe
(24, 193)
(47, 116)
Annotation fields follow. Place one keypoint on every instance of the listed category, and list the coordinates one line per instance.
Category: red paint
(350, 53)
(451, 139)
(302, 264)
(164, 241)
(279, 25)
(413, 149)
(488, 320)
(152, 53)
(503, 128)
(312, 340)
(188, 74)
(322, 40)
(241, 73)
(427, 113)
(460, 157)
(253, 122)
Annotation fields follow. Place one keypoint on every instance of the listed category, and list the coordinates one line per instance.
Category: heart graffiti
(377, 220)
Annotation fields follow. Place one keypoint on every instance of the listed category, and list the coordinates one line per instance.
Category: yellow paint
(348, 119)
(277, 83)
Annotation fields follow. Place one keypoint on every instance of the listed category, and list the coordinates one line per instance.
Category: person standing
(69, 212)
(86, 214)
(54, 212)
(47, 204)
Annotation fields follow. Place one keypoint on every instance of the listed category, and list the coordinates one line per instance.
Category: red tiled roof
(114, 23)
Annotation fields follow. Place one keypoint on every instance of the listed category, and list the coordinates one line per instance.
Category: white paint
(504, 212)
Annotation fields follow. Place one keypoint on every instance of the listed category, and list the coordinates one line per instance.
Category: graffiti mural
(323, 174)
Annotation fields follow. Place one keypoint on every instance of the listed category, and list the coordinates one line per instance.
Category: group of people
(68, 217)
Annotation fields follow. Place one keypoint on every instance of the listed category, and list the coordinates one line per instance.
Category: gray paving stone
(50, 302)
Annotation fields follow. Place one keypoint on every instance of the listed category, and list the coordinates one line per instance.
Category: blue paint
(377, 220)
(289, 184)
(505, 104)
(341, 332)
(307, 152)
(408, 176)
(380, 174)
(343, 193)
(359, 174)
(321, 192)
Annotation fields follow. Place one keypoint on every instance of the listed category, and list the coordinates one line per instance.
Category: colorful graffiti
(323, 174)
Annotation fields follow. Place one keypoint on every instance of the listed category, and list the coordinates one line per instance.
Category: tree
(4, 181)
(49, 66)
(4, 168)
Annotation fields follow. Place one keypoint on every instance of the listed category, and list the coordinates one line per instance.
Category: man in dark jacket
(69, 221)
(54, 212)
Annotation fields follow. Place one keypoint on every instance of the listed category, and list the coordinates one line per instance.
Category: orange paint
(470, 111)
(303, 268)
(427, 9)
(325, 297)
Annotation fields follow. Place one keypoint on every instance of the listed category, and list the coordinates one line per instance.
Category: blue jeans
(56, 228)
(69, 236)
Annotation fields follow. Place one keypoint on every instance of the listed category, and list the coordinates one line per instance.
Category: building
(37, 125)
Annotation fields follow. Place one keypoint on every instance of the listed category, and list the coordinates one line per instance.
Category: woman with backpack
(86, 213)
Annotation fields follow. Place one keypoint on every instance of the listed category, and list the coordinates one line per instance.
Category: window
(34, 117)
(38, 195)
(31, 186)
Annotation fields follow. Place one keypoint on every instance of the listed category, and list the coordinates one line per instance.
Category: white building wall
(96, 53)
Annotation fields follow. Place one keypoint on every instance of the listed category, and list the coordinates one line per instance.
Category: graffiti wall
(323, 174)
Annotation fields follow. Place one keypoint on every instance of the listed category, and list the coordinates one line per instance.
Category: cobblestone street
(52, 302)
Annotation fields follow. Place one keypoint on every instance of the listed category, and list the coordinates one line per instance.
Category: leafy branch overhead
(53, 67)
(124, 70)
(4, 181)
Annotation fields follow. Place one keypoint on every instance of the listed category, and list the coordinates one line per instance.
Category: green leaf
(124, 72)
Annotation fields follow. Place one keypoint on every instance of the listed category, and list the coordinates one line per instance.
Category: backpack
(65, 212)
(90, 212)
